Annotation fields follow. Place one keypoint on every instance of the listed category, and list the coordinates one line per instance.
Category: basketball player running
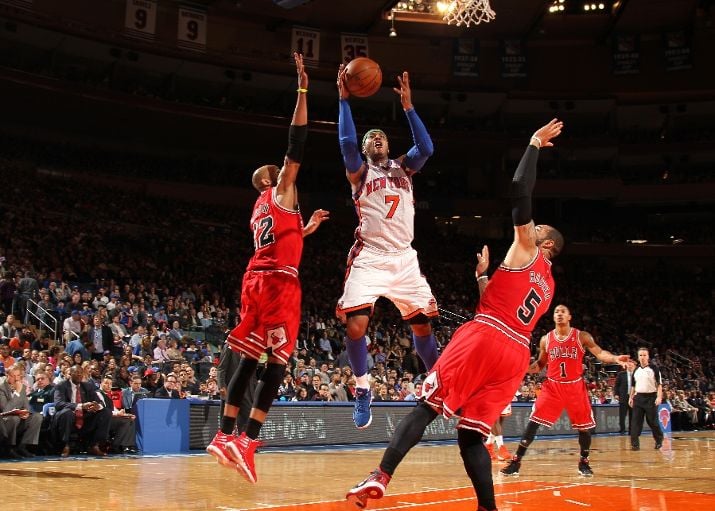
(382, 261)
(484, 363)
(270, 295)
(562, 351)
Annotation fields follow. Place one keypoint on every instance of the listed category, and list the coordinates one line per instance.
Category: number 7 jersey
(515, 299)
(277, 235)
(385, 207)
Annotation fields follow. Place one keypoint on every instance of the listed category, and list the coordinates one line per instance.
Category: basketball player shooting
(382, 261)
(483, 365)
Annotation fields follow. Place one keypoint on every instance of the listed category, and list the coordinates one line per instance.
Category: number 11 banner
(306, 41)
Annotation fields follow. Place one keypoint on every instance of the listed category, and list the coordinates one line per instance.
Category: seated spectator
(21, 425)
(42, 393)
(323, 393)
(72, 326)
(134, 392)
(121, 431)
(161, 354)
(77, 410)
(169, 390)
(9, 329)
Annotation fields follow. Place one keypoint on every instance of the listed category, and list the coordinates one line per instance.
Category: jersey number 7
(395, 201)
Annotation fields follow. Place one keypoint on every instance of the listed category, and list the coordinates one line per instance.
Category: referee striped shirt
(646, 379)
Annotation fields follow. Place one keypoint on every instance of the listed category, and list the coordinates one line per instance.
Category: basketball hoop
(468, 12)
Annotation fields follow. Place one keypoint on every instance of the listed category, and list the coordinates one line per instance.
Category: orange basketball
(363, 77)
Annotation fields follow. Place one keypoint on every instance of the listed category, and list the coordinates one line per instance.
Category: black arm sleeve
(522, 185)
(296, 142)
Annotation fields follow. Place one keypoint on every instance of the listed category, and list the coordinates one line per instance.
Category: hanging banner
(513, 59)
(191, 31)
(626, 55)
(22, 4)
(353, 46)
(306, 41)
(140, 19)
(465, 60)
(677, 51)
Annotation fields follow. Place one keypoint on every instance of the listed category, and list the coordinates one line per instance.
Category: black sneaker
(635, 447)
(584, 468)
(658, 445)
(512, 469)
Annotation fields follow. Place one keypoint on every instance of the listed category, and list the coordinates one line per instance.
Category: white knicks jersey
(385, 207)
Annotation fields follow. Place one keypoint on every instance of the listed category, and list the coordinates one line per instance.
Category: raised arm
(286, 192)
(422, 149)
(524, 248)
(347, 136)
(481, 271)
(605, 356)
(540, 362)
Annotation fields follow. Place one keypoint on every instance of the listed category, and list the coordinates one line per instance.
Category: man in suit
(121, 430)
(132, 393)
(22, 427)
(101, 337)
(77, 406)
(624, 381)
(168, 391)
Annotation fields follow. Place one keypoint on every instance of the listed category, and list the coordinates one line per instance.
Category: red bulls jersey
(277, 235)
(515, 299)
(565, 357)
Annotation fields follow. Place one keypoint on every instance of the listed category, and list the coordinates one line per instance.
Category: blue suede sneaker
(362, 416)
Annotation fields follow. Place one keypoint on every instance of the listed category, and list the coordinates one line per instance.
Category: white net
(468, 12)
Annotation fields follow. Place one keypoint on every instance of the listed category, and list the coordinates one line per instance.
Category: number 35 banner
(140, 19)
(353, 46)
(306, 41)
(191, 31)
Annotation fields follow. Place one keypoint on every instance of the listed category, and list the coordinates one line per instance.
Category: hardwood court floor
(680, 477)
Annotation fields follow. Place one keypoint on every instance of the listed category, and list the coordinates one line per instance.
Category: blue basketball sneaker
(362, 416)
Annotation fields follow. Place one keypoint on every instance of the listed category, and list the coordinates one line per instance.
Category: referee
(646, 395)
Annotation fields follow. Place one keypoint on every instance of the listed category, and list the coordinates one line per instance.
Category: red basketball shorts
(270, 315)
(476, 376)
(555, 396)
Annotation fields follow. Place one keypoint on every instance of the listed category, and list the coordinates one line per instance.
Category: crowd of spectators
(141, 292)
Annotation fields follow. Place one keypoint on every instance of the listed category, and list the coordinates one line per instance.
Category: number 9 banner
(191, 30)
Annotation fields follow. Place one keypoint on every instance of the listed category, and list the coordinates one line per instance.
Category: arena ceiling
(520, 19)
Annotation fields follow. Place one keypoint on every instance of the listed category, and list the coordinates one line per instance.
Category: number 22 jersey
(277, 235)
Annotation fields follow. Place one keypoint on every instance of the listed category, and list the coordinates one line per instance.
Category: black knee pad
(239, 381)
(267, 388)
(468, 437)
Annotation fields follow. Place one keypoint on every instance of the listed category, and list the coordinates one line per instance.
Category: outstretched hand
(317, 218)
(622, 360)
(548, 132)
(482, 262)
(300, 68)
(404, 90)
(343, 92)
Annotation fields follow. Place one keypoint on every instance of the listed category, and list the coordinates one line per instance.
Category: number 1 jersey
(517, 298)
(277, 235)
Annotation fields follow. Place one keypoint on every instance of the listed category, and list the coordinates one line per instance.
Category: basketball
(363, 77)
